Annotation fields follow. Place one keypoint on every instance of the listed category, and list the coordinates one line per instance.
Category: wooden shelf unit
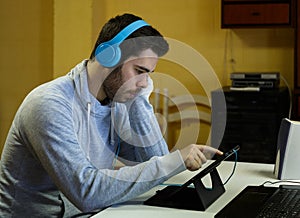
(257, 13)
(267, 14)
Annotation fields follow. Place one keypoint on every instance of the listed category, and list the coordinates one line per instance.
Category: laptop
(261, 201)
(197, 197)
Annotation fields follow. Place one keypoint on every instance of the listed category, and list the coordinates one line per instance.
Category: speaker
(252, 119)
(108, 54)
(288, 150)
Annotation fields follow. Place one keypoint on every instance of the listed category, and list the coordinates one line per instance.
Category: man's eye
(140, 71)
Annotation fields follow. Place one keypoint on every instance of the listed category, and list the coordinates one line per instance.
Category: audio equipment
(108, 53)
(287, 158)
(262, 80)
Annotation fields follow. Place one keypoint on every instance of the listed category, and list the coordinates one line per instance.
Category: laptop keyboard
(284, 203)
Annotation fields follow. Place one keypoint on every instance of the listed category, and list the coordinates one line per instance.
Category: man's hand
(195, 155)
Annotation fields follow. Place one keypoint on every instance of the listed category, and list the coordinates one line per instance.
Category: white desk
(245, 174)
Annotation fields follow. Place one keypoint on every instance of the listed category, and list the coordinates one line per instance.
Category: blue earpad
(108, 54)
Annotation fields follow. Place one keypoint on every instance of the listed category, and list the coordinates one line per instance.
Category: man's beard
(116, 89)
(112, 83)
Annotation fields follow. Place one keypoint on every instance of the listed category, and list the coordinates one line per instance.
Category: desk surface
(245, 174)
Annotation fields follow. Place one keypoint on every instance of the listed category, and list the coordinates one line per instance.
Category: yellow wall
(43, 39)
(72, 33)
(26, 54)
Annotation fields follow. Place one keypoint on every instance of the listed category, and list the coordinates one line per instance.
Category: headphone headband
(108, 54)
(121, 36)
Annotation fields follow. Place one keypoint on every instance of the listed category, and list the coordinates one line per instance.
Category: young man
(59, 156)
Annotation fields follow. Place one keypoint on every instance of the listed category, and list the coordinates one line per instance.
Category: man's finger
(210, 151)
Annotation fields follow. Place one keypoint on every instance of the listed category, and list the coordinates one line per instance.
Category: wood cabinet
(257, 13)
(267, 14)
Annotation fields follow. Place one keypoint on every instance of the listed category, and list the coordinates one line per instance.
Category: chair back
(181, 117)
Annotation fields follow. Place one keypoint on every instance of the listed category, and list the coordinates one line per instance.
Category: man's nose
(142, 81)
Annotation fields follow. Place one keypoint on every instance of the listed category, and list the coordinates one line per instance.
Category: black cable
(234, 167)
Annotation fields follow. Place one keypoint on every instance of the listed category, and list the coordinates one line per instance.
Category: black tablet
(198, 198)
(209, 168)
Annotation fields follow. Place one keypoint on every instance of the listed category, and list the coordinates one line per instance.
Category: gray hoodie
(63, 143)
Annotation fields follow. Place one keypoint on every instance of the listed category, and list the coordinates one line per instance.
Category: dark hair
(143, 38)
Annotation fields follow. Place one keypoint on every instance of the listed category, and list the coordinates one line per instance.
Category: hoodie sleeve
(141, 135)
(48, 129)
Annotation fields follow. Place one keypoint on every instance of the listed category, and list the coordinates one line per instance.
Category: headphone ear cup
(108, 55)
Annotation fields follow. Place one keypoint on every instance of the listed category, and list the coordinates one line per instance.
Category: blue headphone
(108, 54)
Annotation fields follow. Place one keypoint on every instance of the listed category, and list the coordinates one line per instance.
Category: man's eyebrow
(144, 69)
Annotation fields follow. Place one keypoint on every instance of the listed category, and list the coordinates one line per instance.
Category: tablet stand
(208, 196)
(197, 198)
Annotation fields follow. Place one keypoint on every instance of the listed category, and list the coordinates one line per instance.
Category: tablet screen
(212, 166)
